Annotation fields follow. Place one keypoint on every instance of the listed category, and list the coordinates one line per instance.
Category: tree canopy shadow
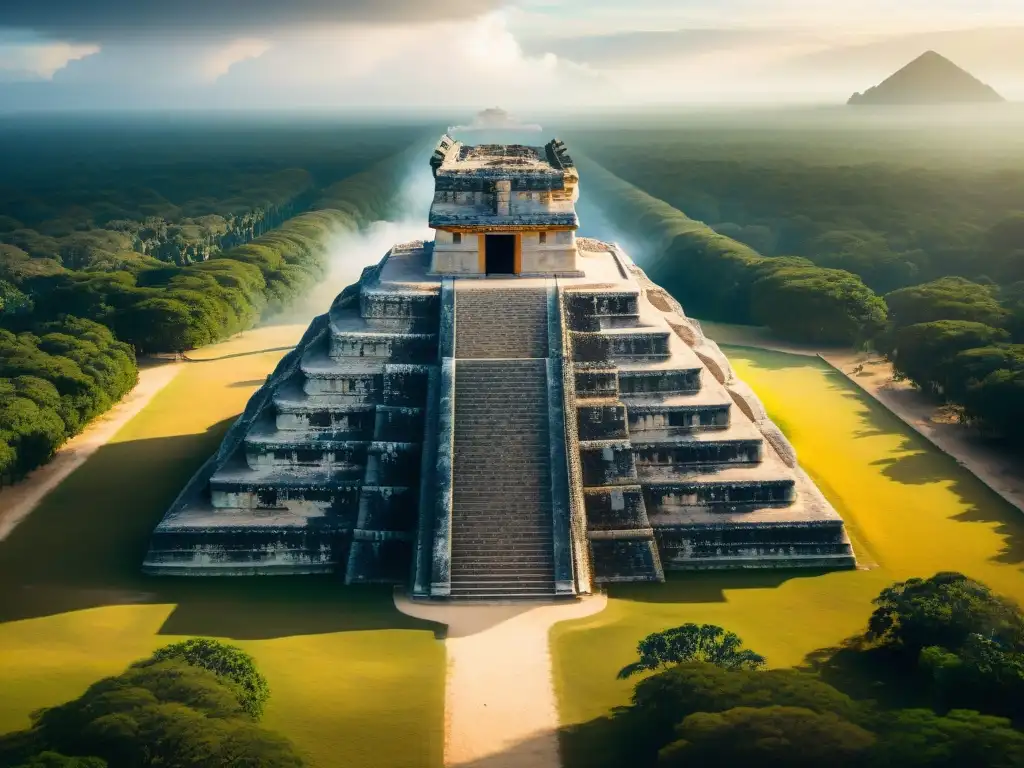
(231, 355)
(867, 673)
(613, 740)
(916, 461)
(708, 586)
(771, 359)
(83, 548)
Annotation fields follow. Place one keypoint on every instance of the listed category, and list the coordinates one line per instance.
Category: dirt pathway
(500, 709)
(18, 501)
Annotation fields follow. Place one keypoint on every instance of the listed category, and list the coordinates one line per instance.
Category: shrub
(227, 662)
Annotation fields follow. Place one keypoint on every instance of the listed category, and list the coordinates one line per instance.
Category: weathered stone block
(700, 452)
(602, 422)
(607, 464)
(596, 383)
(615, 509)
(678, 420)
(625, 561)
(683, 495)
(659, 382)
(247, 551)
(379, 561)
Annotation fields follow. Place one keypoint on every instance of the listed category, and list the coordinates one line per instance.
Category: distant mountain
(929, 79)
(494, 118)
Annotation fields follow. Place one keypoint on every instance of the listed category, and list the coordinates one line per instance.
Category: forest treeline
(69, 333)
(960, 339)
(53, 380)
(159, 307)
(964, 342)
(894, 222)
(86, 238)
(108, 192)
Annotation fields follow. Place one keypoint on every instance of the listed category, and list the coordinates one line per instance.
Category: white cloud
(216, 65)
(537, 55)
(39, 59)
(466, 63)
(567, 18)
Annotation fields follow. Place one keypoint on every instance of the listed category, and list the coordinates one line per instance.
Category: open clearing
(353, 681)
(910, 509)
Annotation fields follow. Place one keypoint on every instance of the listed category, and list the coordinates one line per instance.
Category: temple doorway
(500, 253)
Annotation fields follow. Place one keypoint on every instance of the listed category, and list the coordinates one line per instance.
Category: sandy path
(18, 501)
(500, 709)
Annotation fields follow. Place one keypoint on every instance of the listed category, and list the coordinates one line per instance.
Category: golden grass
(353, 681)
(911, 510)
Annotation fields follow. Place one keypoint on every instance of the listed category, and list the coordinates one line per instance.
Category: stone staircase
(499, 323)
(501, 542)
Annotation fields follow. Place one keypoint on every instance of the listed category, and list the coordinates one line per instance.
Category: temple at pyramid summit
(508, 411)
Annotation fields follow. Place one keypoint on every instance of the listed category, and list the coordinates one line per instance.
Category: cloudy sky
(522, 54)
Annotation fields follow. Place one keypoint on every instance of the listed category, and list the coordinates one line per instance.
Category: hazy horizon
(528, 56)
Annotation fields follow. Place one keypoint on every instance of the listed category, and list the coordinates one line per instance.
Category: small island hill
(507, 411)
(930, 79)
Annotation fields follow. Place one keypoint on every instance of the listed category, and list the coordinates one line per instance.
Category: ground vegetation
(707, 713)
(183, 707)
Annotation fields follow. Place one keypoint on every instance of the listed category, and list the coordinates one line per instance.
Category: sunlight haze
(454, 53)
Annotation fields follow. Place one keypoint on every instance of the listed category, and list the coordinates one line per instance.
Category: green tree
(998, 401)
(984, 674)
(13, 301)
(663, 700)
(52, 382)
(973, 366)
(692, 642)
(926, 353)
(864, 253)
(817, 305)
(1006, 248)
(770, 737)
(944, 610)
(697, 686)
(32, 433)
(949, 298)
(919, 738)
(226, 661)
(165, 714)
(161, 325)
(16, 265)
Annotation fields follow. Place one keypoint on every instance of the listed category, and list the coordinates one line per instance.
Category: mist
(351, 252)
(595, 223)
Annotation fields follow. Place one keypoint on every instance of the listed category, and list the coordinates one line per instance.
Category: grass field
(910, 510)
(353, 681)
